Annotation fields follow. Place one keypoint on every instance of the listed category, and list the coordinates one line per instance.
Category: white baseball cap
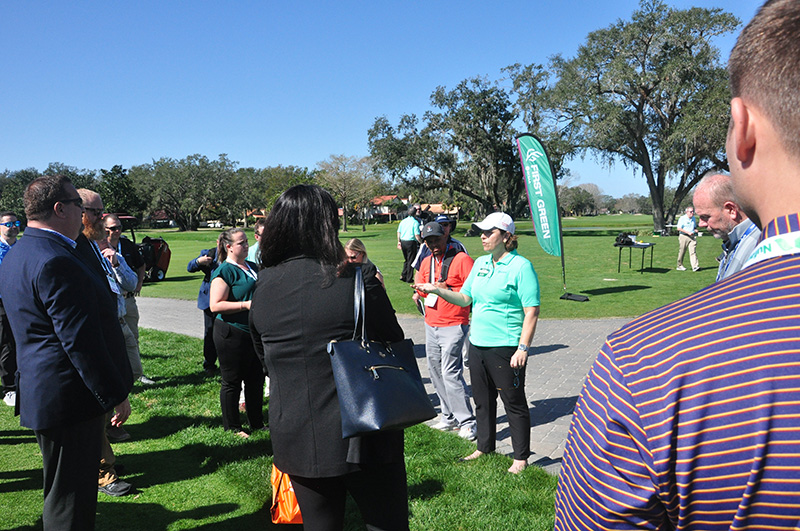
(497, 220)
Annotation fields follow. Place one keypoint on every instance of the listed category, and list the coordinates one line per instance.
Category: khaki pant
(107, 473)
(685, 242)
(132, 316)
(132, 347)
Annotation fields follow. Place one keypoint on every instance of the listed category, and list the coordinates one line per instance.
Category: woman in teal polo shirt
(504, 291)
(232, 285)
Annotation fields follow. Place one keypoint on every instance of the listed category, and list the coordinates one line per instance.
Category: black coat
(297, 309)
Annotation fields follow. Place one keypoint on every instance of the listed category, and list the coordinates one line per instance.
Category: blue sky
(93, 84)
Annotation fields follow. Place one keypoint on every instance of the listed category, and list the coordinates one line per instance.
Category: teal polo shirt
(499, 292)
(409, 229)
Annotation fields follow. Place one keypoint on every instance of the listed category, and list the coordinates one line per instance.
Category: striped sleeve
(606, 478)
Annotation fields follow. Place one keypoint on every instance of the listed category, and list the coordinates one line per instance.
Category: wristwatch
(523, 347)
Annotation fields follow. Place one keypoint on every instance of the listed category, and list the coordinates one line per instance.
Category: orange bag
(285, 509)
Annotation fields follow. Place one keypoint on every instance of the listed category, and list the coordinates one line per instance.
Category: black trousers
(69, 463)
(380, 491)
(8, 353)
(409, 248)
(491, 374)
(239, 363)
(209, 349)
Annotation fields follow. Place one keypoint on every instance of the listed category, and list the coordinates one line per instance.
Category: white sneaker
(680, 268)
(468, 432)
(144, 380)
(445, 426)
(10, 399)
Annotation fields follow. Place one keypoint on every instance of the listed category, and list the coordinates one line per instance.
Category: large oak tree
(651, 92)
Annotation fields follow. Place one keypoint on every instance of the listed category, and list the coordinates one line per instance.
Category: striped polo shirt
(690, 416)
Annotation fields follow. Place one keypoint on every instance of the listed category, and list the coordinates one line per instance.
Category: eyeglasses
(114, 229)
(77, 201)
(96, 211)
(10, 224)
(488, 233)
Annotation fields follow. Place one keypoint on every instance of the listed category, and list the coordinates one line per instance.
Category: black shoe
(117, 434)
(116, 488)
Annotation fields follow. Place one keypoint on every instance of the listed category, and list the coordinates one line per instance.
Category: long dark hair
(304, 221)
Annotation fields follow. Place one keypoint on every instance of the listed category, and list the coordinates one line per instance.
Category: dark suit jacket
(71, 356)
(296, 310)
(205, 286)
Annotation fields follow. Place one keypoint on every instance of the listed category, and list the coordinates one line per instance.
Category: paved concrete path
(562, 353)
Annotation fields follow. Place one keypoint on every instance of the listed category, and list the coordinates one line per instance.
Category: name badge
(482, 272)
(430, 300)
(112, 283)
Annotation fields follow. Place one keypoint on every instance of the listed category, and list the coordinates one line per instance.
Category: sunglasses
(10, 224)
(77, 201)
(113, 229)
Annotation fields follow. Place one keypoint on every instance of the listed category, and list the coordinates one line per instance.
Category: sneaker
(680, 268)
(468, 432)
(445, 426)
(695, 269)
(116, 488)
(10, 399)
(117, 434)
(144, 380)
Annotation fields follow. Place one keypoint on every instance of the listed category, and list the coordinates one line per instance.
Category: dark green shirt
(241, 287)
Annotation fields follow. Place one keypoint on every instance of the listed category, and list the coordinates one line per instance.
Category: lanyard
(779, 245)
(250, 273)
(106, 265)
(729, 255)
(433, 263)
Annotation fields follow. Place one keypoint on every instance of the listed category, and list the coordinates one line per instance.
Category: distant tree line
(188, 190)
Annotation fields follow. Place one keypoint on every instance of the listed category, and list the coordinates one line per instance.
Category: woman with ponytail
(232, 286)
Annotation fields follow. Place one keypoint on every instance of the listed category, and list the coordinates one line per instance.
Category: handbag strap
(359, 307)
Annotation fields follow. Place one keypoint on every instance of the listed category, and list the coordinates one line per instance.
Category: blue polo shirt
(499, 292)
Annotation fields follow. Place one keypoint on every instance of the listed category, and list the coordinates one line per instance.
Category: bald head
(715, 205)
(92, 214)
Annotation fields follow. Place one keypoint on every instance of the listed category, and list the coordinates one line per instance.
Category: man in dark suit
(72, 364)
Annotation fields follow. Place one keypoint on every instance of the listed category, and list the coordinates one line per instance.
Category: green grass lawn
(590, 259)
(190, 474)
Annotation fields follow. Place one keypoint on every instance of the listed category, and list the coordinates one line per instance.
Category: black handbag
(379, 386)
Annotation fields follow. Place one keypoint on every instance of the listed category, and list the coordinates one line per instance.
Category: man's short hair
(7, 213)
(764, 68)
(42, 193)
(87, 195)
(260, 222)
(719, 188)
(111, 216)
